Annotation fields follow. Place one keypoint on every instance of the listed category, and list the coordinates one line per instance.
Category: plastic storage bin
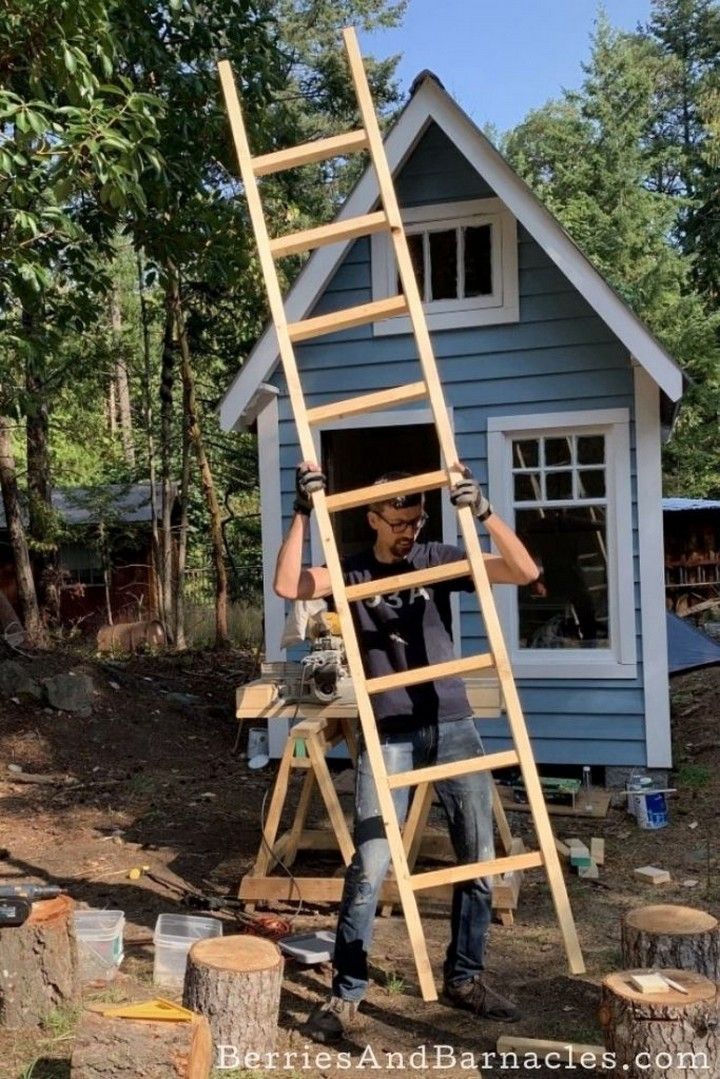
(100, 943)
(175, 934)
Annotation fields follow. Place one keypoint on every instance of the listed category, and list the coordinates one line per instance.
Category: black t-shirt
(406, 629)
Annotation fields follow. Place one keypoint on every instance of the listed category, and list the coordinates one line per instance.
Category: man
(418, 726)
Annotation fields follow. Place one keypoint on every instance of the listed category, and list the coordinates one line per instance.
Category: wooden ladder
(408, 302)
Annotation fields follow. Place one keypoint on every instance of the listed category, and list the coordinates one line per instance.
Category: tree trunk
(236, 982)
(112, 406)
(113, 1048)
(38, 964)
(27, 596)
(672, 1034)
(120, 378)
(41, 515)
(180, 638)
(669, 936)
(166, 405)
(152, 476)
(208, 483)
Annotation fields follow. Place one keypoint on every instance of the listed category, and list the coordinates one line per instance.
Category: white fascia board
(656, 678)
(547, 231)
(429, 103)
(270, 523)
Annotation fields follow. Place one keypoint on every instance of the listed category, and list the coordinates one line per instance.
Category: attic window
(452, 264)
(465, 260)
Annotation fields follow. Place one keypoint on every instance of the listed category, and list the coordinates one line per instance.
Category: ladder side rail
(257, 217)
(352, 648)
(466, 519)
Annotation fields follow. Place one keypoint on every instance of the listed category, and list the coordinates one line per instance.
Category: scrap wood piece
(564, 1052)
(651, 983)
(506, 889)
(180, 1050)
(597, 850)
(652, 875)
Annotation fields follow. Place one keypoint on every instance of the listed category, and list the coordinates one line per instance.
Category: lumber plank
(433, 773)
(384, 492)
(308, 152)
(368, 402)
(458, 873)
(346, 318)
(567, 1052)
(448, 571)
(417, 675)
(336, 232)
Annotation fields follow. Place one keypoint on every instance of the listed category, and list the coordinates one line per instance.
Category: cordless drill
(16, 901)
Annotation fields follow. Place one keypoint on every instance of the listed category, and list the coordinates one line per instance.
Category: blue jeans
(467, 801)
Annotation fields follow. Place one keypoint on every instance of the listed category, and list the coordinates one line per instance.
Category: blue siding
(559, 357)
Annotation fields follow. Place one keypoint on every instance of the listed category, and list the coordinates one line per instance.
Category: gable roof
(431, 102)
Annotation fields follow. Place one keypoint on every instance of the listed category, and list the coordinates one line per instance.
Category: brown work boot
(478, 998)
(330, 1021)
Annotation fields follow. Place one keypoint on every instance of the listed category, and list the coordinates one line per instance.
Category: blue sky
(500, 58)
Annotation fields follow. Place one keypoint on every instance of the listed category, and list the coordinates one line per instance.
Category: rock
(16, 682)
(70, 692)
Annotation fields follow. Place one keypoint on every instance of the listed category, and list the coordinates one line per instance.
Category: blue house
(558, 396)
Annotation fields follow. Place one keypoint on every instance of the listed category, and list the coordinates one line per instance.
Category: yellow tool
(151, 1009)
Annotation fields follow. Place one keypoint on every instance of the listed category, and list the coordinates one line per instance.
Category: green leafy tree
(595, 160)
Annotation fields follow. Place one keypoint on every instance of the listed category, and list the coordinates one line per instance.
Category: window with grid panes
(560, 502)
(452, 263)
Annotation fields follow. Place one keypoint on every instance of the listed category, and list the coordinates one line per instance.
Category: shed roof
(430, 102)
(126, 503)
(676, 505)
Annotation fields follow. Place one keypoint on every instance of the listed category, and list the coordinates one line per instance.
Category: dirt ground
(158, 784)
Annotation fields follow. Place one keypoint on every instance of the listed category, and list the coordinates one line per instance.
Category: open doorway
(357, 456)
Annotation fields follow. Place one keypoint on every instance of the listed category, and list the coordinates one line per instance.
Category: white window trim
(620, 661)
(449, 516)
(504, 303)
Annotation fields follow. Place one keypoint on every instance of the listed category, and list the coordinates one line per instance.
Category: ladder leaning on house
(408, 302)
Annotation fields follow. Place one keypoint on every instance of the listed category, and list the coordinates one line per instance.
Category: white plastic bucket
(654, 810)
(99, 936)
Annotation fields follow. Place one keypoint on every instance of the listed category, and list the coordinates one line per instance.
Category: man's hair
(402, 502)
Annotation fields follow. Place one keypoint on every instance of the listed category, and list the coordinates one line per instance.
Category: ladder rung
(369, 402)
(400, 581)
(328, 234)
(384, 492)
(507, 759)
(347, 318)
(428, 674)
(457, 873)
(319, 150)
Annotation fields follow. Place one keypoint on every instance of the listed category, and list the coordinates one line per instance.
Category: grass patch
(245, 625)
(60, 1023)
(394, 984)
(693, 776)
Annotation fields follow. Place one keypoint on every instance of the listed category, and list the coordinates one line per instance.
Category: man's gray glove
(468, 492)
(307, 480)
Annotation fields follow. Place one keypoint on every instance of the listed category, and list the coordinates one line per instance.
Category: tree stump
(672, 936)
(672, 1034)
(112, 1048)
(236, 982)
(38, 964)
